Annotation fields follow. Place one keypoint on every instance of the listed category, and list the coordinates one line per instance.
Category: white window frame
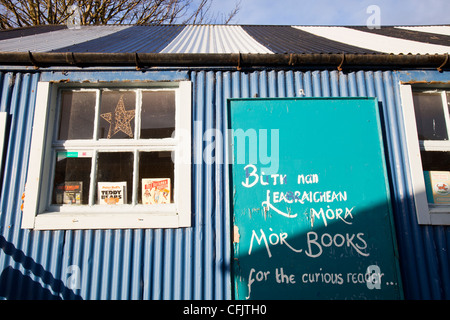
(3, 118)
(39, 214)
(426, 214)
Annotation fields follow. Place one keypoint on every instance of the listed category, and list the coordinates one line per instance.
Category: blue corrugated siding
(193, 263)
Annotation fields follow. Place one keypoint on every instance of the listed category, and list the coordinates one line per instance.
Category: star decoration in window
(121, 121)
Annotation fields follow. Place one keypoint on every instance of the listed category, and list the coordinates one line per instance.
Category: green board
(310, 200)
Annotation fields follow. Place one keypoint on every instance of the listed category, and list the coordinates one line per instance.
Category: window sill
(125, 209)
(107, 220)
(439, 215)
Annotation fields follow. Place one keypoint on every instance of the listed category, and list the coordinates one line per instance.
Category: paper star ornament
(120, 121)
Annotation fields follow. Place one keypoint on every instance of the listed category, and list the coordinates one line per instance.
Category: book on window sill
(112, 193)
(437, 186)
(156, 190)
(69, 192)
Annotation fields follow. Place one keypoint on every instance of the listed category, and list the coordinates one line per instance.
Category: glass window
(448, 100)
(114, 174)
(72, 178)
(117, 112)
(158, 114)
(156, 173)
(77, 115)
(430, 117)
(436, 170)
(101, 156)
(118, 178)
(431, 111)
(435, 160)
(427, 125)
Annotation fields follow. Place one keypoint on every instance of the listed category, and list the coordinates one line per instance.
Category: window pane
(436, 166)
(430, 117)
(77, 115)
(156, 177)
(157, 114)
(72, 176)
(117, 112)
(114, 177)
(448, 100)
(435, 160)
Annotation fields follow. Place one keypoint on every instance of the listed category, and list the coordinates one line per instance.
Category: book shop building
(225, 162)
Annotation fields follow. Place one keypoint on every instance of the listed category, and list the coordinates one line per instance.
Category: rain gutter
(238, 60)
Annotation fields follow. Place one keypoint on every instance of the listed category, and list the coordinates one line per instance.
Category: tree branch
(19, 13)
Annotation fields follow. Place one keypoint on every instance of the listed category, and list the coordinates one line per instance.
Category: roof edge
(238, 60)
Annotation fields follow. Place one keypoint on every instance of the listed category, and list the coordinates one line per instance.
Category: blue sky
(337, 12)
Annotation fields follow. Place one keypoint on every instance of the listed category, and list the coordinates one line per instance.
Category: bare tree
(23, 13)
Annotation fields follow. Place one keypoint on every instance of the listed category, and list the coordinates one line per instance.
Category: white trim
(438, 215)
(38, 214)
(183, 165)
(106, 220)
(32, 187)
(3, 118)
(412, 142)
(434, 145)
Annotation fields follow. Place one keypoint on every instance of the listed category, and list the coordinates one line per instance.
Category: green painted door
(310, 200)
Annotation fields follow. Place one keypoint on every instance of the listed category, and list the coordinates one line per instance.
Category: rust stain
(424, 82)
(60, 81)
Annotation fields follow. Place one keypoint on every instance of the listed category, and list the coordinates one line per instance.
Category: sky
(336, 12)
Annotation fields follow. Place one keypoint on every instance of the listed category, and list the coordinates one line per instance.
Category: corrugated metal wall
(192, 263)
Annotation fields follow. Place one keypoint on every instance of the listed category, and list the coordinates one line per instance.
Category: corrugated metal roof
(365, 38)
(285, 39)
(229, 39)
(444, 30)
(45, 42)
(28, 31)
(214, 39)
(150, 39)
(425, 36)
